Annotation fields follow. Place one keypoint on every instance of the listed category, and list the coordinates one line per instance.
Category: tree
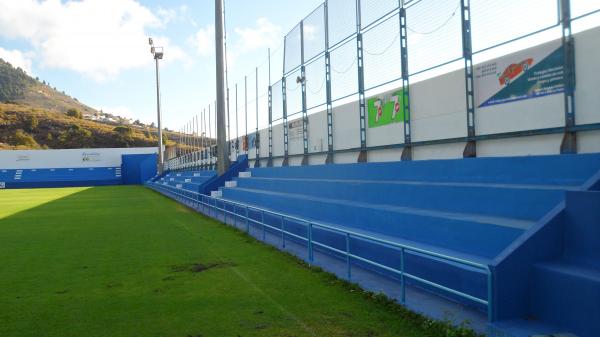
(165, 139)
(124, 135)
(22, 138)
(72, 112)
(31, 123)
(76, 137)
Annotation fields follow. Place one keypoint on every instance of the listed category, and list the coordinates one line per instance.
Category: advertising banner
(386, 109)
(527, 74)
(252, 140)
(295, 129)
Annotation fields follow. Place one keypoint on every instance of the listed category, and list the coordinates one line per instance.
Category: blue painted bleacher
(473, 209)
(60, 177)
(530, 221)
(185, 181)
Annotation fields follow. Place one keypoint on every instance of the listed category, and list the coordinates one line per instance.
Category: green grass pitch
(126, 261)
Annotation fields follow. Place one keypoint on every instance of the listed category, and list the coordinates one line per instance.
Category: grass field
(126, 261)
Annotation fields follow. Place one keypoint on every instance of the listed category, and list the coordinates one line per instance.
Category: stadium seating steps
(532, 220)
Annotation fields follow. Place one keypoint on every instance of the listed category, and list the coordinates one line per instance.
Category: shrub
(76, 137)
(74, 113)
(31, 123)
(24, 139)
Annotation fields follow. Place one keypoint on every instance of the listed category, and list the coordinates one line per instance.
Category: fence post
(471, 146)
(569, 141)
(256, 134)
(407, 151)
(362, 107)
(237, 125)
(285, 123)
(329, 159)
(303, 84)
(270, 92)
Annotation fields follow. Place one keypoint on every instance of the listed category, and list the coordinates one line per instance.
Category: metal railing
(210, 206)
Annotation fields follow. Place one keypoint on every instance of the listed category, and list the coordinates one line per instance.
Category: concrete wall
(67, 158)
(438, 107)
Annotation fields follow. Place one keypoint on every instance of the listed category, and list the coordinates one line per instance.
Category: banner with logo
(527, 74)
(386, 109)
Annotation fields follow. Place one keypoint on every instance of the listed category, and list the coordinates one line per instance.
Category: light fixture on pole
(157, 52)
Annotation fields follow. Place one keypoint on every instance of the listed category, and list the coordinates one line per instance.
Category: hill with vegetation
(34, 115)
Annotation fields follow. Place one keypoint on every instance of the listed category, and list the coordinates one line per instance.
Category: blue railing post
(310, 247)
(282, 232)
(247, 221)
(262, 221)
(490, 306)
(235, 215)
(348, 267)
(402, 279)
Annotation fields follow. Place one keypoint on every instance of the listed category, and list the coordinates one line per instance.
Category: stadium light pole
(222, 163)
(157, 52)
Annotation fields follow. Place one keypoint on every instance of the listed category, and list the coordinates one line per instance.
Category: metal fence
(347, 50)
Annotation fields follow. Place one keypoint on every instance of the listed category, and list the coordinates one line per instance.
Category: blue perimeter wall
(138, 168)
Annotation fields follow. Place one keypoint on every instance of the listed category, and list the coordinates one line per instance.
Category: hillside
(24, 127)
(34, 115)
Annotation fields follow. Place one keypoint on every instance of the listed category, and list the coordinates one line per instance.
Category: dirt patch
(200, 267)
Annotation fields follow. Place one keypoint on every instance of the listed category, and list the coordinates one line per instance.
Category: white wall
(67, 158)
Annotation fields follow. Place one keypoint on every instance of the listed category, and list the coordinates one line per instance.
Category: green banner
(386, 109)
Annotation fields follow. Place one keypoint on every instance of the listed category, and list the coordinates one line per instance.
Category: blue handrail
(209, 204)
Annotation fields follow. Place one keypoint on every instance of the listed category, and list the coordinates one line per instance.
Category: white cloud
(99, 38)
(264, 35)
(204, 41)
(17, 58)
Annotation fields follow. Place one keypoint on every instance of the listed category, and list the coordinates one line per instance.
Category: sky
(97, 50)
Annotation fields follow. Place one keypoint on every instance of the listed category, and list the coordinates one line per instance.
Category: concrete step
(246, 174)
(231, 183)
(216, 194)
(568, 296)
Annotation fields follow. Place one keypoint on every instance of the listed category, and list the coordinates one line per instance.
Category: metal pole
(237, 121)
(329, 159)
(256, 136)
(228, 138)
(246, 111)
(362, 156)
(270, 161)
(471, 146)
(220, 71)
(160, 135)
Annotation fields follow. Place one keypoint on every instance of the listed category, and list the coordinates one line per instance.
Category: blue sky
(97, 50)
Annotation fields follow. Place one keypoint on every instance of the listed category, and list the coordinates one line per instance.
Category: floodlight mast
(157, 52)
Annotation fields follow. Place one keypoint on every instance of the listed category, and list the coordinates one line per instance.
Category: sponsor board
(527, 74)
(90, 156)
(386, 109)
(295, 129)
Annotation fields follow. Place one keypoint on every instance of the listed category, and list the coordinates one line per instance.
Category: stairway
(566, 291)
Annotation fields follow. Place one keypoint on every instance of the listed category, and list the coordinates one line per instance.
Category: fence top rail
(353, 233)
